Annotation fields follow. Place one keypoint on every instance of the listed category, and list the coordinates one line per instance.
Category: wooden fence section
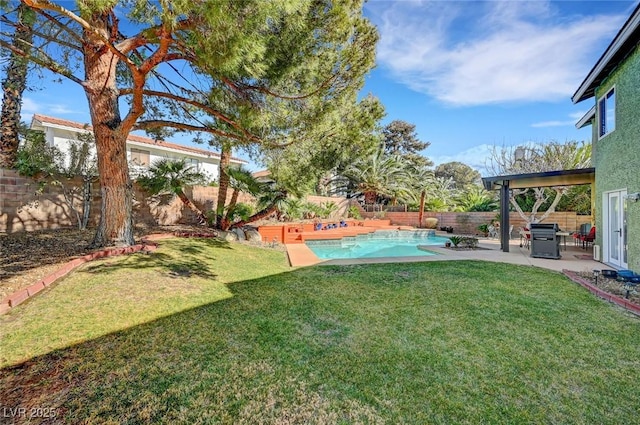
(468, 222)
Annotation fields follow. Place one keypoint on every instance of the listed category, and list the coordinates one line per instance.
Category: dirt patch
(30, 256)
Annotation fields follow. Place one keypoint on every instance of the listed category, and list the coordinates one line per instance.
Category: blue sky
(469, 74)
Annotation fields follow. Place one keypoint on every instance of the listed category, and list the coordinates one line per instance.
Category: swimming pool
(382, 243)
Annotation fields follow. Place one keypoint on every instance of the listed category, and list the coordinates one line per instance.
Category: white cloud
(573, 119)
(553, 124)
(31, 106)
(60, 109)
(472, 53)
(475, 157)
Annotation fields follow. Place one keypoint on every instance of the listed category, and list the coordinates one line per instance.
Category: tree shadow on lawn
(194, 261)
(154, 260)
(271, 353)
(151, 372)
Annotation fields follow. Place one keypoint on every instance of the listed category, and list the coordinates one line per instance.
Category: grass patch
(204, 332)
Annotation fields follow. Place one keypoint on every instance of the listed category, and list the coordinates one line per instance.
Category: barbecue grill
(544, 242)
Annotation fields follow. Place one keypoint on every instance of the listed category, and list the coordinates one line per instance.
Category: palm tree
(240, 180)
(475, 198)
(423, 182)
(171, 176)
(270, 201)
(379, 174)
(442, 194)
(13, 86)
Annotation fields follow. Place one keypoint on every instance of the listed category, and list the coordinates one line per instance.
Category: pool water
(382, 243)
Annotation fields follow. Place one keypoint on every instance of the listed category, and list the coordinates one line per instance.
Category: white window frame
(605, 112)
(195, 163)
(136, 153)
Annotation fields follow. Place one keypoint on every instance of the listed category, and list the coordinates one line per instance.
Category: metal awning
(545, 179)
(530, 180)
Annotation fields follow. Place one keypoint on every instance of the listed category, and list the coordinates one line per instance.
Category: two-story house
(613, 87)
(141, 151)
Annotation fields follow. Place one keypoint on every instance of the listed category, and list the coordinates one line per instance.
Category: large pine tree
(400, 138)
(251, 71)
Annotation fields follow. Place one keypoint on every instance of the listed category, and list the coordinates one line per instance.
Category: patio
(574, 258)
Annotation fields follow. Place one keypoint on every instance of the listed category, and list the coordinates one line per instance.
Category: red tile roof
(131, 137)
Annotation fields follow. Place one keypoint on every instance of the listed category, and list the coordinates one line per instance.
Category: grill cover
(544, 242)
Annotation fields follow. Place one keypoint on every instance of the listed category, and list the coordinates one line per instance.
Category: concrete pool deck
(574, 258)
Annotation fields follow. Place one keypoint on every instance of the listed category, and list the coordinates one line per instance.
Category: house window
(607, 113)
(140, 157)
(194, 163)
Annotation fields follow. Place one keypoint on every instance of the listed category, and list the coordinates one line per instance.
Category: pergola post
(504, 216)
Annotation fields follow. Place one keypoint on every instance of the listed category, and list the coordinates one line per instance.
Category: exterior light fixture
(596, 273)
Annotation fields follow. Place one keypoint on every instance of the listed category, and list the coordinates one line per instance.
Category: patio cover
(531, 180)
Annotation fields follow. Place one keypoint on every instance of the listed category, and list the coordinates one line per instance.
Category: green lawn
(208, 332)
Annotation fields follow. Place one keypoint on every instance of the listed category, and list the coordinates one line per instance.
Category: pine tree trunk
(13, 86)
(225, 160)
(116, 218)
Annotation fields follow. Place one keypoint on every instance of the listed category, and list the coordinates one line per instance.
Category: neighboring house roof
(44, 120)
(624, 43)
(261, 173)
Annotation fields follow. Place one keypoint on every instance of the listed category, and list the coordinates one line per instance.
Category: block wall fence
(22, 209)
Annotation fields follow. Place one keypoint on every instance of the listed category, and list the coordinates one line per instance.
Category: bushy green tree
(49, 165)
(462, 174)
(264, 73)
(400, 138)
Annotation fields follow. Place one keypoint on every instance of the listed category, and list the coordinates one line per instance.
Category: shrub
(354, 212)
(464, 241)
(328, 208)
(484, 228)
(241, 211)
(456, 240)
(431, 223)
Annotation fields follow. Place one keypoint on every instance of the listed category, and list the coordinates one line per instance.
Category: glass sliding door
(615, 228)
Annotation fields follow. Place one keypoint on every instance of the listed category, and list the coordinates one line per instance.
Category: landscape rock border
(622, 302)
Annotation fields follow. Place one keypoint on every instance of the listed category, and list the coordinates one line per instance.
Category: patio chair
(525, 237)
(583, 231)
(588, 238)
(493, 231)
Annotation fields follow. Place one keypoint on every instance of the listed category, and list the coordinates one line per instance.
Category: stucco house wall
(59, 133)
(616, 156)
